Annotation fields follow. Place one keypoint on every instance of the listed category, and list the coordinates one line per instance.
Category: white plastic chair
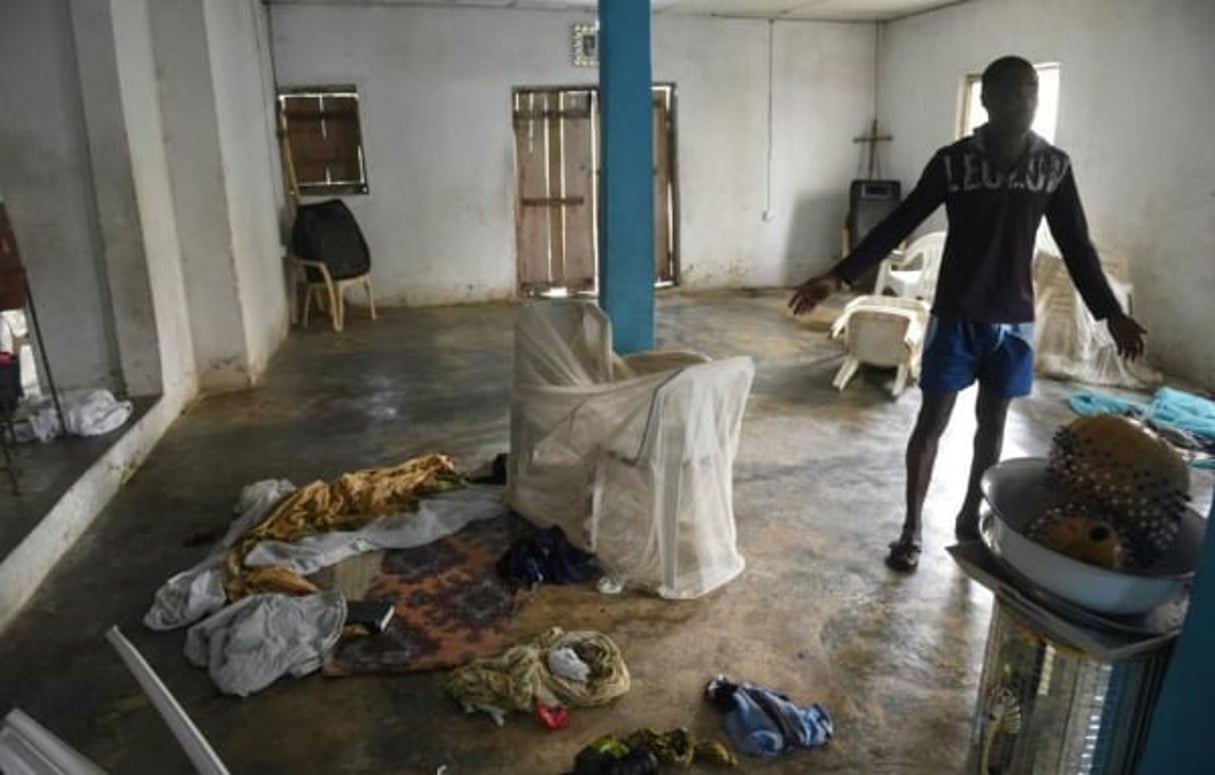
(633, 457)
(330, 293)
(912, 273)
(28, 748)
(1069, 343)
(881, 331)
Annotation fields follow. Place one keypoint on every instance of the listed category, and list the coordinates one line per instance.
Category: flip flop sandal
(904, 556)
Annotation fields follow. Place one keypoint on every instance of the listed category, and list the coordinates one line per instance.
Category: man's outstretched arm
(927, 195)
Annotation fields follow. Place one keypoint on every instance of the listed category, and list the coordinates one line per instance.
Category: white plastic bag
(85, 412)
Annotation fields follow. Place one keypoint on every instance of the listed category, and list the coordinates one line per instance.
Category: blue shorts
(999, 355)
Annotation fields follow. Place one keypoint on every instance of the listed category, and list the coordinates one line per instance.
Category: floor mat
(451, 606)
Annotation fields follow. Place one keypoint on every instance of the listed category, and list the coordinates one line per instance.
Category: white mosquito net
(633, 457)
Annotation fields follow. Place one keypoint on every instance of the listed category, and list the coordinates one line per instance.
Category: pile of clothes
(253, 616)
(556, 670)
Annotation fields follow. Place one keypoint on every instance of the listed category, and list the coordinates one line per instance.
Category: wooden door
(557, 201)
(578, 189)
(555, 210)
(663, 138)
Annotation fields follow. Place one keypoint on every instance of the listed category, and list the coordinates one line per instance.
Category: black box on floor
(375, 615)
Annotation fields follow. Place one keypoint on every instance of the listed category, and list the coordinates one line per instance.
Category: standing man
(996, 185)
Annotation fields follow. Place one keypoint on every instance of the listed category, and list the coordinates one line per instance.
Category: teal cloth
(1102, 403)
(1184, 410)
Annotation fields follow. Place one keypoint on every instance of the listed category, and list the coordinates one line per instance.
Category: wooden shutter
(325, 140)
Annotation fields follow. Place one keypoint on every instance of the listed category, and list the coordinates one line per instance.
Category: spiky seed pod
(1116, 471)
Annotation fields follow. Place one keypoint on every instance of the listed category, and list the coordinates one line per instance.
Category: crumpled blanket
(349, 502)
(194, 593)
(520, 677)
(252, 643)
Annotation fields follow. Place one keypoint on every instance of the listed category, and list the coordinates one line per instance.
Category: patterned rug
(451, 606)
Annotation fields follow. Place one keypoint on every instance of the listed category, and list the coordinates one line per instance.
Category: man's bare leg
(935, 410)
(991, 412)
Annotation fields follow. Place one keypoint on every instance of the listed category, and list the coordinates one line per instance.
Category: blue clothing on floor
(765, 722)
(958, 352)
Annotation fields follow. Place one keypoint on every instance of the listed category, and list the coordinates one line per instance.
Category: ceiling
(830, 10)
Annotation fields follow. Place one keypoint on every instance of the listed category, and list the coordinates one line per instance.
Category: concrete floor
(818, 486)
(44, 474)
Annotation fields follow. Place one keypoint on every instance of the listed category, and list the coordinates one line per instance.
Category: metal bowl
(1017, 492)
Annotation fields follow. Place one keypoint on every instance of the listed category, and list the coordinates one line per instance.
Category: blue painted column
(1182, 739)
(626, 227)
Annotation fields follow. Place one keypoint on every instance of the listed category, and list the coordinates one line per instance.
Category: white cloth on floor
(566, 663)
(86, 413)
(251, 643)
(194, 593)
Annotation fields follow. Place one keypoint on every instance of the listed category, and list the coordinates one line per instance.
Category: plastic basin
(1017, 492)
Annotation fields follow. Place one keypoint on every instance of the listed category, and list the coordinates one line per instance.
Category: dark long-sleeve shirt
(986, 273)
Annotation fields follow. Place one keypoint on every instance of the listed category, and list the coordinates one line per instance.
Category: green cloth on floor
(678, 748)
(675, 748)
(519, 677)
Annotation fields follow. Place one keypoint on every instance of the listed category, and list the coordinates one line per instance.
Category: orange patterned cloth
(347, 503)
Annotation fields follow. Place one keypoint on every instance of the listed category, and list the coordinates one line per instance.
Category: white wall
(109, 154)
(108, 120)
(118, 73)
(140, 100)
(435, 85)
(1136, 107)
(244, 110)
(187, 96)
(209, 56)
(823, 77)
(46, 181)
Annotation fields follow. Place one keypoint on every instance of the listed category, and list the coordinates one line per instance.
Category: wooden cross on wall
(872, 139)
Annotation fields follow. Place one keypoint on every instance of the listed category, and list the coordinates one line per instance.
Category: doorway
(557, 191)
